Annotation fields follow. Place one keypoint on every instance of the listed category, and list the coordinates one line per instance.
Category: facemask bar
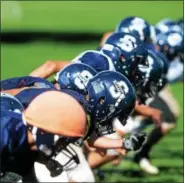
(61, 146)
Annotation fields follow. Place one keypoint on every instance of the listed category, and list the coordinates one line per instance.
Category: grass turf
(20, 59)
(80, 16)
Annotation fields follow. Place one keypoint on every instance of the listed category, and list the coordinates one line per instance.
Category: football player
(100, 61)
(168, 42)
(149, 89)
(171, 44)
(79, 80)
(134, 50)
(17, 138)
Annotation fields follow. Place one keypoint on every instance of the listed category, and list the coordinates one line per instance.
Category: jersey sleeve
(13, 132)
(24, 81)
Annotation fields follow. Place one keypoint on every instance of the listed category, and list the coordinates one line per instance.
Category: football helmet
(11, 103)
(110, 94)
(151, 77)
(166, 25)
(136, 26)
(171, 44)
(95, 59)
(75, 77)
(126, 52)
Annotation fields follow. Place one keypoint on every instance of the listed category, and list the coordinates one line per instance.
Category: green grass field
(90, 16)
(20, 59)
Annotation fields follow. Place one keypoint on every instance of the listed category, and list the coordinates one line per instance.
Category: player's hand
(121, 151)
(134, 142)
(156, 116)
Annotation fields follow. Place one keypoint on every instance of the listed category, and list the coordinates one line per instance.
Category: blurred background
(34, 32)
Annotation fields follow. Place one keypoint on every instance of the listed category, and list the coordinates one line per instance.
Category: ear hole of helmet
(101, 100)
(122, 58)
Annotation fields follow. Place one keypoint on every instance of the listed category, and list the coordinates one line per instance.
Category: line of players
(121, 88)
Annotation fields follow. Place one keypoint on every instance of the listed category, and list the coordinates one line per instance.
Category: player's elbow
(50, 65)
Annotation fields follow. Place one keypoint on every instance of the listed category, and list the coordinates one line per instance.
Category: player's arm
(150, 112)
(105, 142)
(14, 91)
(15, 85)
(49, 68)
(104, 38)
(134, 142)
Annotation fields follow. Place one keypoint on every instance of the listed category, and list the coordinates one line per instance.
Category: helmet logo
(82, 78)
(138, 24)
(127, 43)
(118, 91)
(97, 86)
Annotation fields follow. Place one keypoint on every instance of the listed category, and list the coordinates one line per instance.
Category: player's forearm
(106, 143)
(49, 68)
(104, 38)
(143, 110)
(13, 91)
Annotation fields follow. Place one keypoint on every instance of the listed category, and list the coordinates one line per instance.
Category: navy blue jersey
(27, 95)
(25, 81)
(13, 131)
(13, 137)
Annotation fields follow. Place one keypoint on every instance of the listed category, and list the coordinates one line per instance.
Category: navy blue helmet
(171, 44)
(166, 25)
(161, 55)
(152, 77)
(96, 59)
(136, 26)
(75, 77)
(110, 93)
(11, 103)
(126, 52)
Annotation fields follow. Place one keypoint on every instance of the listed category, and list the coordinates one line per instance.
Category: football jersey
(13, 131)
(13, 138)
(19, 82)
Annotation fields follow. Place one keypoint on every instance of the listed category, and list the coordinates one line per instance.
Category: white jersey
(175, 71)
